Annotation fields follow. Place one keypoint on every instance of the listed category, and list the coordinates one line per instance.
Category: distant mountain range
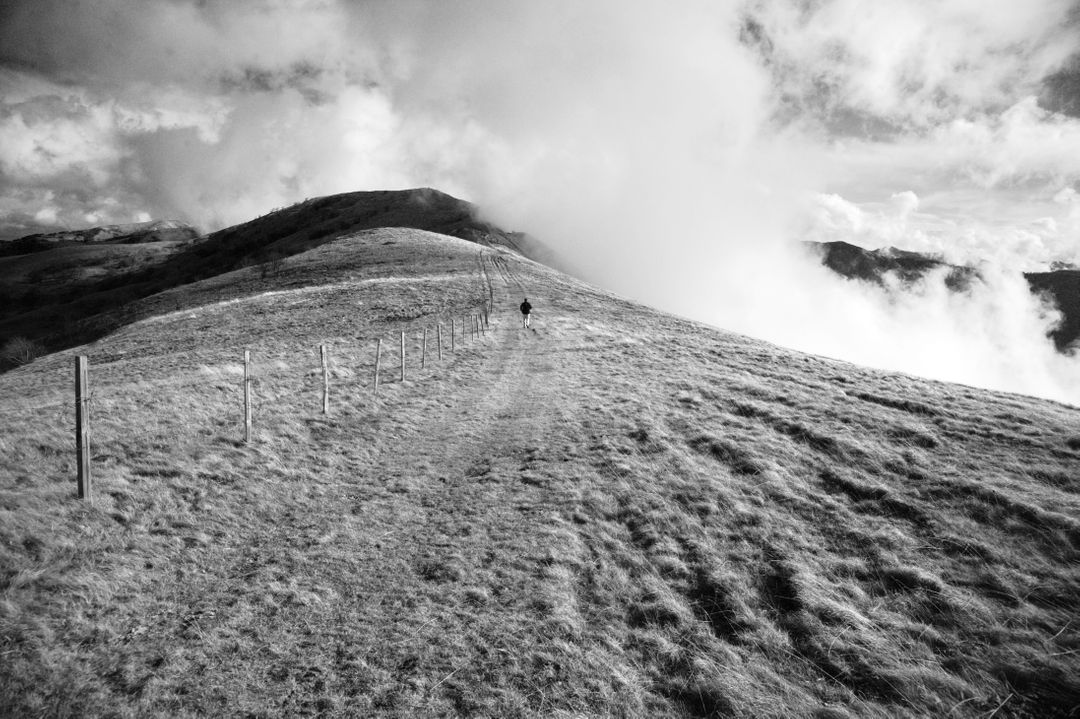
(133, 233)
(857, 263)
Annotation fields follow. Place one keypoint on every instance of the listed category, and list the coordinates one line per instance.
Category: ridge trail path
(438, 540)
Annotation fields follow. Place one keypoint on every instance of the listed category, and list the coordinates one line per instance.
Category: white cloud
(913, 62)
(50, 137)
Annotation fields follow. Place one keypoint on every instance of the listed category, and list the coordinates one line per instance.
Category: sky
(675, 152)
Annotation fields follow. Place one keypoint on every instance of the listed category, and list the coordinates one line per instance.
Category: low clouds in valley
(675, 153)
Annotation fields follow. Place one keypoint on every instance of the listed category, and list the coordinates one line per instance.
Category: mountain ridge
(130, 233)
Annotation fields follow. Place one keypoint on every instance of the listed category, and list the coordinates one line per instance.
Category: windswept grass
(619, 514)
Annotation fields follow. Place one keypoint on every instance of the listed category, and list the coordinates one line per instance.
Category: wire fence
(402, 357)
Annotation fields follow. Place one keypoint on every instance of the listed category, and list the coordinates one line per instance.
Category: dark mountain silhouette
(872, 265)
(1062, 286)
(76, 307)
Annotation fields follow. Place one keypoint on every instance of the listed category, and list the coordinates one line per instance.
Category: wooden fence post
(463, 338)
(439, 333)
(82, 428)
(325, 381)
(378, 355)
(423, 351)
(402, 356)
(247, 396)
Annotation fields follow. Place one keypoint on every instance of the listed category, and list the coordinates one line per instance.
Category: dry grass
(619, 514)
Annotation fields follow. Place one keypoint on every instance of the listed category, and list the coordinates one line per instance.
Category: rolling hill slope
(83, 289)
(621, 513)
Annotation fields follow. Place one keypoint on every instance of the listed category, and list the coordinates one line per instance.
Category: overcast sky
(669, 149)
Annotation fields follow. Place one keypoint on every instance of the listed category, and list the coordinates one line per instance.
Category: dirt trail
(466, 502)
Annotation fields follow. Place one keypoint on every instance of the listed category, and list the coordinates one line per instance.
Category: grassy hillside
(76, 294)
(621, 513)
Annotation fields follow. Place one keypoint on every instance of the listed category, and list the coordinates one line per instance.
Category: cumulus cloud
(672, 153)
(911, 63)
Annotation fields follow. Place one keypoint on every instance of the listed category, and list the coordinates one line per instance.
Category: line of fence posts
(477, 328)
(82, 393)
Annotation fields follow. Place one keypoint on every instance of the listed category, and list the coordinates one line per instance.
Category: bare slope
(620, 514)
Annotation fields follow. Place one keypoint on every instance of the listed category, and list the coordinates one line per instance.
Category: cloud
(911, 63)
(673, 155)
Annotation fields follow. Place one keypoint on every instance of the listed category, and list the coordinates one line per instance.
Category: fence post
(423, 351)
(247, 396)
(463, 338)
(325, 381)
(403, 356)
(439, 333)
(378, 355)
(82, 428)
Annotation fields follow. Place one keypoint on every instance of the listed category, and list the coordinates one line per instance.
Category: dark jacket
(526, 308)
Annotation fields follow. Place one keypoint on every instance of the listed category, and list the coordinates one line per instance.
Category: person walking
(526, 310)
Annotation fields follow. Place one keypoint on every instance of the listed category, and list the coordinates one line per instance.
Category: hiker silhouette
(526, 310)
